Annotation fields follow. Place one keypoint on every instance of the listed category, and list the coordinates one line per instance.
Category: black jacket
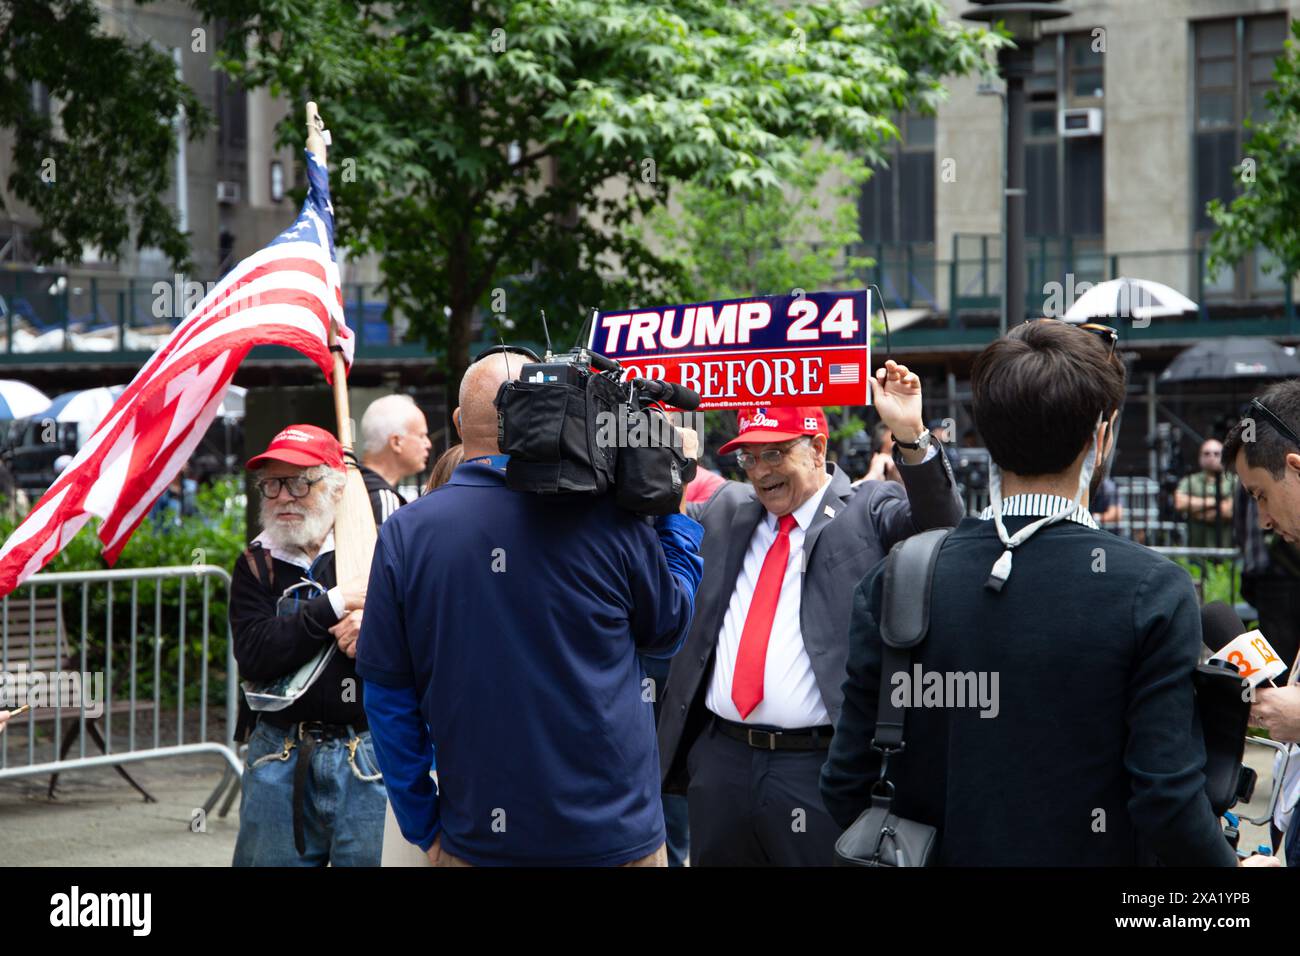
(1095, 755)
(268, 646)
(853, 530)
(384, 498)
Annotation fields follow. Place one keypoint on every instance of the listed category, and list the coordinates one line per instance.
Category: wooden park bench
(36, 635)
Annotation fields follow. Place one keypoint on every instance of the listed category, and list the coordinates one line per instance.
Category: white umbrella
(87, 408)
(20, 400)
(1126, 298)
(232, 404)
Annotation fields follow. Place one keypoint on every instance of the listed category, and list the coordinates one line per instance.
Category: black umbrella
(1231, 358)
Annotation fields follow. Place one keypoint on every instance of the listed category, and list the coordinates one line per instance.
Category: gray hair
(332, 479)
(386, 417)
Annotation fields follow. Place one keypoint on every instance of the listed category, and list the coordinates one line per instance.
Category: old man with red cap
(312, 791)
(752, 698)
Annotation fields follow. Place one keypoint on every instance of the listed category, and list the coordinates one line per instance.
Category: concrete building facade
(1155, 93)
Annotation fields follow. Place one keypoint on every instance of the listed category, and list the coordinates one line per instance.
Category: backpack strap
(909, 578)
(259, 562)
(904, 623)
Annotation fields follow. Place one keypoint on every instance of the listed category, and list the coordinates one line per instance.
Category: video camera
(571, 426)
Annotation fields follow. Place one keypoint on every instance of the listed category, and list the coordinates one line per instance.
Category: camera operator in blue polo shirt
(502, 628)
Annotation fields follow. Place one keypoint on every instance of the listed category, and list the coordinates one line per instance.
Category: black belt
(306, 734)
(799, 738)
(317, 728)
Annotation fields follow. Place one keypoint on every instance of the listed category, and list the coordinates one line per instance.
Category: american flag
(844, 374)
(284, 294)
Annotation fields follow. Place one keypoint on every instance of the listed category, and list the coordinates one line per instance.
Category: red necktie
(751, 658)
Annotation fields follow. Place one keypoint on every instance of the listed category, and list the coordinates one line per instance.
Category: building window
(897, 203)
(1085, 75)
(232, 126)
(1068, 72)
(1234, 66)
(896, 216)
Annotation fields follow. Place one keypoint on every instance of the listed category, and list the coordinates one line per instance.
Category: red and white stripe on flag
(285, 294)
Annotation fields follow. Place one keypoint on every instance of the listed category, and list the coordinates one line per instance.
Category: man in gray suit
(753, 696)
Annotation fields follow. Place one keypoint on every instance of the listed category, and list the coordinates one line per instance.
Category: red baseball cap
(304, 445)
(760, 425)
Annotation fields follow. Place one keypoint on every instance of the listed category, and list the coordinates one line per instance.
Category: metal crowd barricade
(1203, 559)
(110, 681)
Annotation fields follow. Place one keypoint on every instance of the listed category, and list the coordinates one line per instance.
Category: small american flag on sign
(844, 374)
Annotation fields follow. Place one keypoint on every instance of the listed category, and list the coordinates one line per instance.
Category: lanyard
(1002, 566)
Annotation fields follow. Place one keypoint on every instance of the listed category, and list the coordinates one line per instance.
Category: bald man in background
(503, 629)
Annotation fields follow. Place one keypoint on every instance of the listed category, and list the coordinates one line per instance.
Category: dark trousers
(752, 807)
(677, 825)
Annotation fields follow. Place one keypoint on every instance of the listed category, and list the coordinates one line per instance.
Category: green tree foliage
(724, 244)
(1266, 211)
(215, 535)
(493, 145)
(96, 168)
(727, 245)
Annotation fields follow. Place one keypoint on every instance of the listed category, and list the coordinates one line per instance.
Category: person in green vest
(1205, 500)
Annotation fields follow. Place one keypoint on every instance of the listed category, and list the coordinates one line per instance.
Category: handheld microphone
(1249, 651)
(679, 396)
(1224, 710)
(1219, 625)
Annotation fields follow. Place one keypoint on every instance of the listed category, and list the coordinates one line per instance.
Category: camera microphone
(1224, 710)
(670, 393)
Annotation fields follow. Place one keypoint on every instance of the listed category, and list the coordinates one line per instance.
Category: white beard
(299, 535)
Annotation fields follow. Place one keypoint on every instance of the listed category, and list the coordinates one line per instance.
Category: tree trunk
(458, 342)
(458, 322)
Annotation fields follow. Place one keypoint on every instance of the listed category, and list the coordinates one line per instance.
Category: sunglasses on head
(1281, 427)
(1108, 335)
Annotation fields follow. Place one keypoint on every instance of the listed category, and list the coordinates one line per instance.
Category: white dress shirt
(791, 697)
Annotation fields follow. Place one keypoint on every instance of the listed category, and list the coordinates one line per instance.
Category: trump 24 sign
(801, 349)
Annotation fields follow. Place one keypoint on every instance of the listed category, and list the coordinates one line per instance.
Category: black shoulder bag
(879, 837)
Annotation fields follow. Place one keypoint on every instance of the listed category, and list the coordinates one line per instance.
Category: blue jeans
(343, 803)
(677, 825)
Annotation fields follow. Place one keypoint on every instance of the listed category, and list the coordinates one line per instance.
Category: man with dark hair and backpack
(1049, 710)
(312, 791)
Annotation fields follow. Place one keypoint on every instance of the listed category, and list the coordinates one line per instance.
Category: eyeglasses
(509, 350)
(1281, 427)
(297, 486)
(770, 456)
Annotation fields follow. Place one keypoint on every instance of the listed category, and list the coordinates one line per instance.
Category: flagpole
(354, 522)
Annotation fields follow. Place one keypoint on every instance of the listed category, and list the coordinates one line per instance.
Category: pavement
(98, 819)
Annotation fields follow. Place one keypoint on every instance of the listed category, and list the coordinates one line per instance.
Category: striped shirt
(384, 498)
(1026, 506)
